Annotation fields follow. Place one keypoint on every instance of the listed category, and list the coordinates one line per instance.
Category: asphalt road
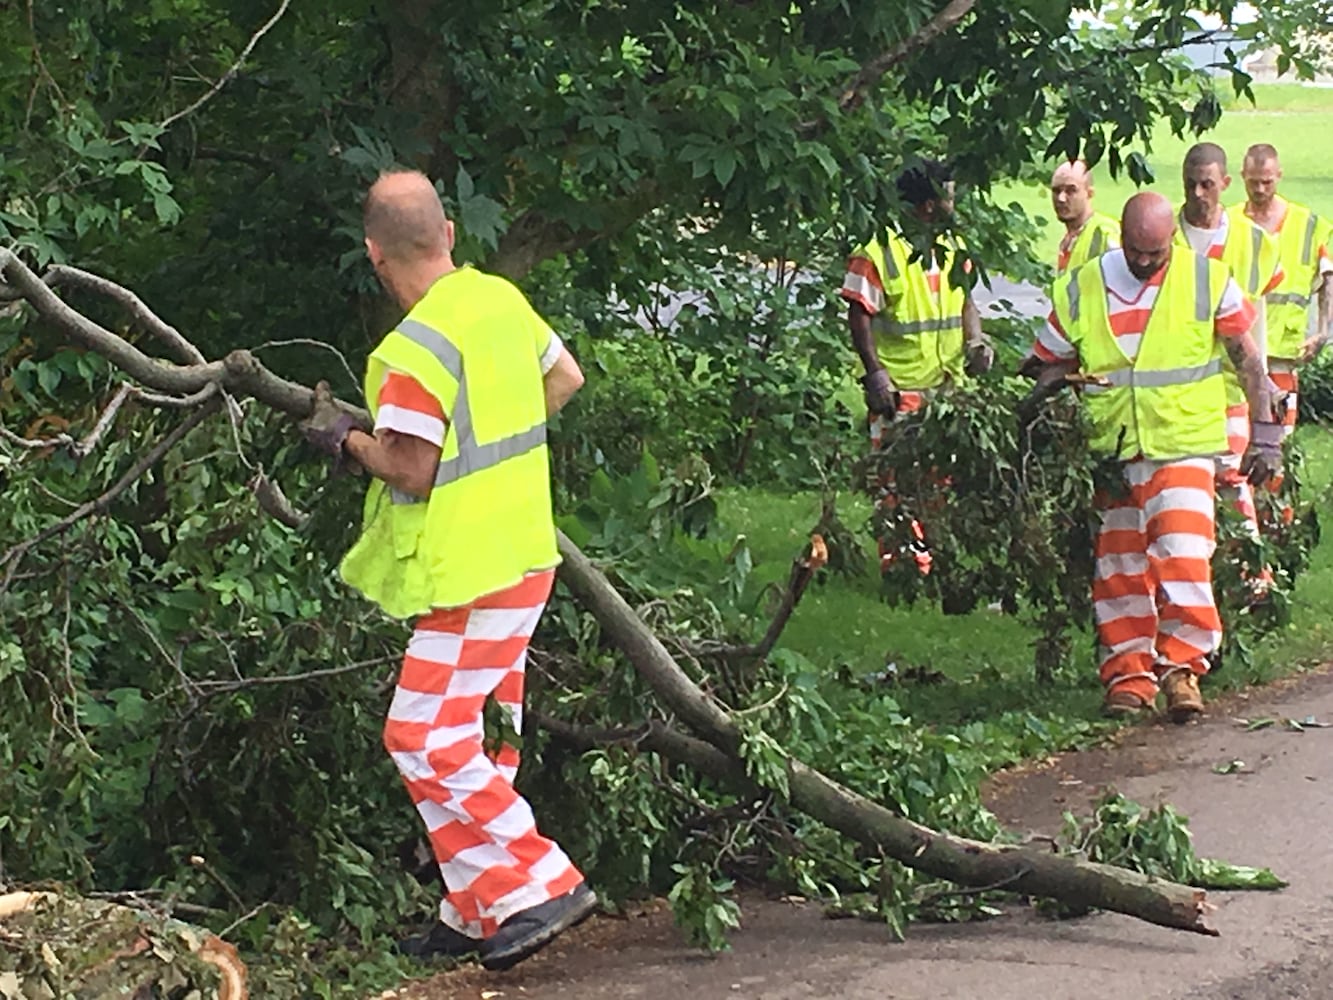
(1277, 811)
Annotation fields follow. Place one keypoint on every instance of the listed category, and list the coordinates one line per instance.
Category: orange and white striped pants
(493, 860)
(909, 401)
(1153, 587)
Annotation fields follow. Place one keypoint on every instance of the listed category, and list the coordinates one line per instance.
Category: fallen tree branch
(803, 568)
(958, 859)
(74, 277)
(966, 862)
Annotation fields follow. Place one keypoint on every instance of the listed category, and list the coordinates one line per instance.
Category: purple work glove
(881, 397)
(1263, 458)
(328, 425)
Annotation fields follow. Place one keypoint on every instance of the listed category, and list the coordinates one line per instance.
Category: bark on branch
(870, 74)
(966, 862)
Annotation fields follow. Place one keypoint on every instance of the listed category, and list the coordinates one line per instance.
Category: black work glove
(329, 424)
(980, 357)
(1263, 458)
(881, 397)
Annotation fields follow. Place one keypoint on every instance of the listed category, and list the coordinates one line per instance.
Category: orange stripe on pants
(493, 861)
(1152, 591)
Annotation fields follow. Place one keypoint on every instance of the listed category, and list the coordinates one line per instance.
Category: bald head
(1147, 229)
(1071, 193)
(404, 219)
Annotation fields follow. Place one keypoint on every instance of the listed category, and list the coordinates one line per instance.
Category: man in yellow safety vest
(1251, 254)
(458, 536)
(1088, 234)
(1148, 327)
(912, 326)
(1302, 241)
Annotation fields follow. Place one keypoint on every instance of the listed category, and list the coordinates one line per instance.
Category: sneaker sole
(500, 961)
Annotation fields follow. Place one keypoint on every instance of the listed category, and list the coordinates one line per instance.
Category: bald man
(1088, 234)
(1148, 326)
(459, 536)
(1303, 248)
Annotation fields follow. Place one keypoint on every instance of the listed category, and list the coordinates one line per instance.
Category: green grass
(845, 629)
(1297, 120)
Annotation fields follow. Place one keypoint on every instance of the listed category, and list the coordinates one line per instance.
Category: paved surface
(1278, 811)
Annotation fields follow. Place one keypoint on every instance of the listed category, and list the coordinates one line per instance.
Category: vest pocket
(409, 523)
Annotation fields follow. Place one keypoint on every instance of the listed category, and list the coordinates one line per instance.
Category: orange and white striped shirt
(1129, 303)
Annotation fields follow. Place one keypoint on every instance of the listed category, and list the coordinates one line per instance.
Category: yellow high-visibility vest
(921, 341)
(1251, 254)
(1098, 235)
(1298, 240)
(475, 344)
(1170, 401)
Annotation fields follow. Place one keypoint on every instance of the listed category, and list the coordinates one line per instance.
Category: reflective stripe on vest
(880, 324)
(471, 457)
(1307, 245)
(1157, 379)
(919, 335)
(1288, 299)
(1170, 400)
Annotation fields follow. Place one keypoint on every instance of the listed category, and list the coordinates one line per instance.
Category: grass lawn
(1297, 120)
(844, 628)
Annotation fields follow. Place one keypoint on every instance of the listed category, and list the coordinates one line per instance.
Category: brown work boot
(1120, 703)
(1183, 700)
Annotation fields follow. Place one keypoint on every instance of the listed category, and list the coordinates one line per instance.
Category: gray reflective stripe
(435, 342)
(1256, 244)
(896, 328)
(1308, 246)
(400, 498)
(483, 456)
(1156, 379)
(1098, 243)
(890, 265)
(1288, 299)
(1203, 299)
(472, 457)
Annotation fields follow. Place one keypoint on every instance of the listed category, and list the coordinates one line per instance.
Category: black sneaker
(528, 931)
(441, 941)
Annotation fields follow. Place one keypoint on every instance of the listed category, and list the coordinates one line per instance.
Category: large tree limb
(240, 373)
(967, 862)
(871, 72)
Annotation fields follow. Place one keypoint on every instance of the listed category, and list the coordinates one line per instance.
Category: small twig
(240, 920)
(223, 687)
(35, 444)
(175, 402)
(228, 76)
(85, 447)
(200, 862)
(974, 890)
(308, 342)
(273, 502)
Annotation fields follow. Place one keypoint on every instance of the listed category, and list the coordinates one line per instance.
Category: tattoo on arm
(1244, 355)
